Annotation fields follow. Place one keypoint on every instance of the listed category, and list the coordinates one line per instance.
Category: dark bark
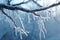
(27, 10)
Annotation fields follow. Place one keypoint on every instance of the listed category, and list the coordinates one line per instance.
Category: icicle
(41, 27)
(40, 35)
(18, 16)
(15, 30)
(33, 16)
(28, 18)
(21, 35)
(42, 24)
(18, 29)
(21, 21)
(22, 29)
(47, 16)
(23, 32)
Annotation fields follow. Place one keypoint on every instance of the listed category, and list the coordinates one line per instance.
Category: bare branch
(36, 14)
(27, 10)
(9, 18)
(37, 3)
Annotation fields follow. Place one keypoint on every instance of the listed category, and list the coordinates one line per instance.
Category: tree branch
(21, 3)
(37, 3)
(9, 18)
(36, 14)
(27, 10)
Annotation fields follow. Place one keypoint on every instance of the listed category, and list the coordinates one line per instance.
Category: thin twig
(21, 3)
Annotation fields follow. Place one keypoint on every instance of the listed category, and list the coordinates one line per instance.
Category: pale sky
(46, 2)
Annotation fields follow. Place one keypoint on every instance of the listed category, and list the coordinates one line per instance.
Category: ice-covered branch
(17, 29)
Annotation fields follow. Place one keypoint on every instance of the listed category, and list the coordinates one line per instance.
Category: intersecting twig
(21, 3)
